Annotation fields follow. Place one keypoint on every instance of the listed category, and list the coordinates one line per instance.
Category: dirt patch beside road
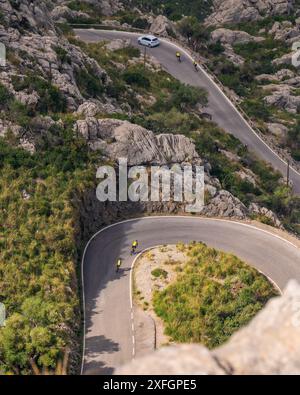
(154, 270)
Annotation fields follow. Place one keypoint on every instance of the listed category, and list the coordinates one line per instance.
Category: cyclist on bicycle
(195, 65)
(134, 246)
(118, 265)
(178, 56)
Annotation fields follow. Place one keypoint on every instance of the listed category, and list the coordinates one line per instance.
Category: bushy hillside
(176, 9)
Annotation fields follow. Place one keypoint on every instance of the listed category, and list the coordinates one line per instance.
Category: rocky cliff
(118, 139)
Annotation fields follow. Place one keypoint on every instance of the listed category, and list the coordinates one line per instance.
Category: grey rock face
(285, 31)
(29, 33)
(224, 204)
(263, 211)
(283, 60)
(175, 360)
(235, 11)
(277, 129)
(62, 13)
(161, 25)
(270, 344)
(280, 75)
(108, 7)
(232, 56)
(227, 36)
(114, 45)
(121, 139)
(282, 97)
(30, 15)
(92, 108)
(231, 37)
(247, 175)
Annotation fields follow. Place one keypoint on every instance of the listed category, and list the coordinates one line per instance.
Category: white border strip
(151, 217)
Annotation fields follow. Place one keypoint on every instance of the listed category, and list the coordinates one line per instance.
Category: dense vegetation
(38, 227)
(38, 254)
(213, 296)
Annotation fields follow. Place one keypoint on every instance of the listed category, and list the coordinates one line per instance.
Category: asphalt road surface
(220, 107)
(109, 332)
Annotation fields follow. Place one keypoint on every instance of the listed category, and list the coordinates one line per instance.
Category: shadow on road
(99, 273)
(94, 348)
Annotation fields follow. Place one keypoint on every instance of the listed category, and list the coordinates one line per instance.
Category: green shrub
(88, 8)
(89, 85)
(293, 141)
(62, 55)
(128, 52)
(216, 48)
(140, 23)
(257, 109)
(51, 98)
(213, 297)
(159, 273)
(172, 121)
(136, 77)
(65, 29)
(5, 97)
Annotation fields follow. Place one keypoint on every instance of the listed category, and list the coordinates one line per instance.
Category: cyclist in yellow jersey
(178, 56)
(119, 264)
(135, 244)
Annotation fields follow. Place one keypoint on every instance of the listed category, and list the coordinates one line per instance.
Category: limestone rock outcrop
(162, 26)
(119, 139)
(227, 36)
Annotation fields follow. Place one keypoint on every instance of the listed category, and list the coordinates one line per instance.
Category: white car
(149, 41)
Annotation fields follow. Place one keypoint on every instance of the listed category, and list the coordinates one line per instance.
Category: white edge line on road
(131, 290)
(151, 217)
(213, 82)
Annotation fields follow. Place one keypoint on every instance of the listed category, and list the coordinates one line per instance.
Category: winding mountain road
(109, 339)
(109, 332)
(223, 112)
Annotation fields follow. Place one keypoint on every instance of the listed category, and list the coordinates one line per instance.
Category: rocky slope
(35, 47)
(236, 11)
(39, 49)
